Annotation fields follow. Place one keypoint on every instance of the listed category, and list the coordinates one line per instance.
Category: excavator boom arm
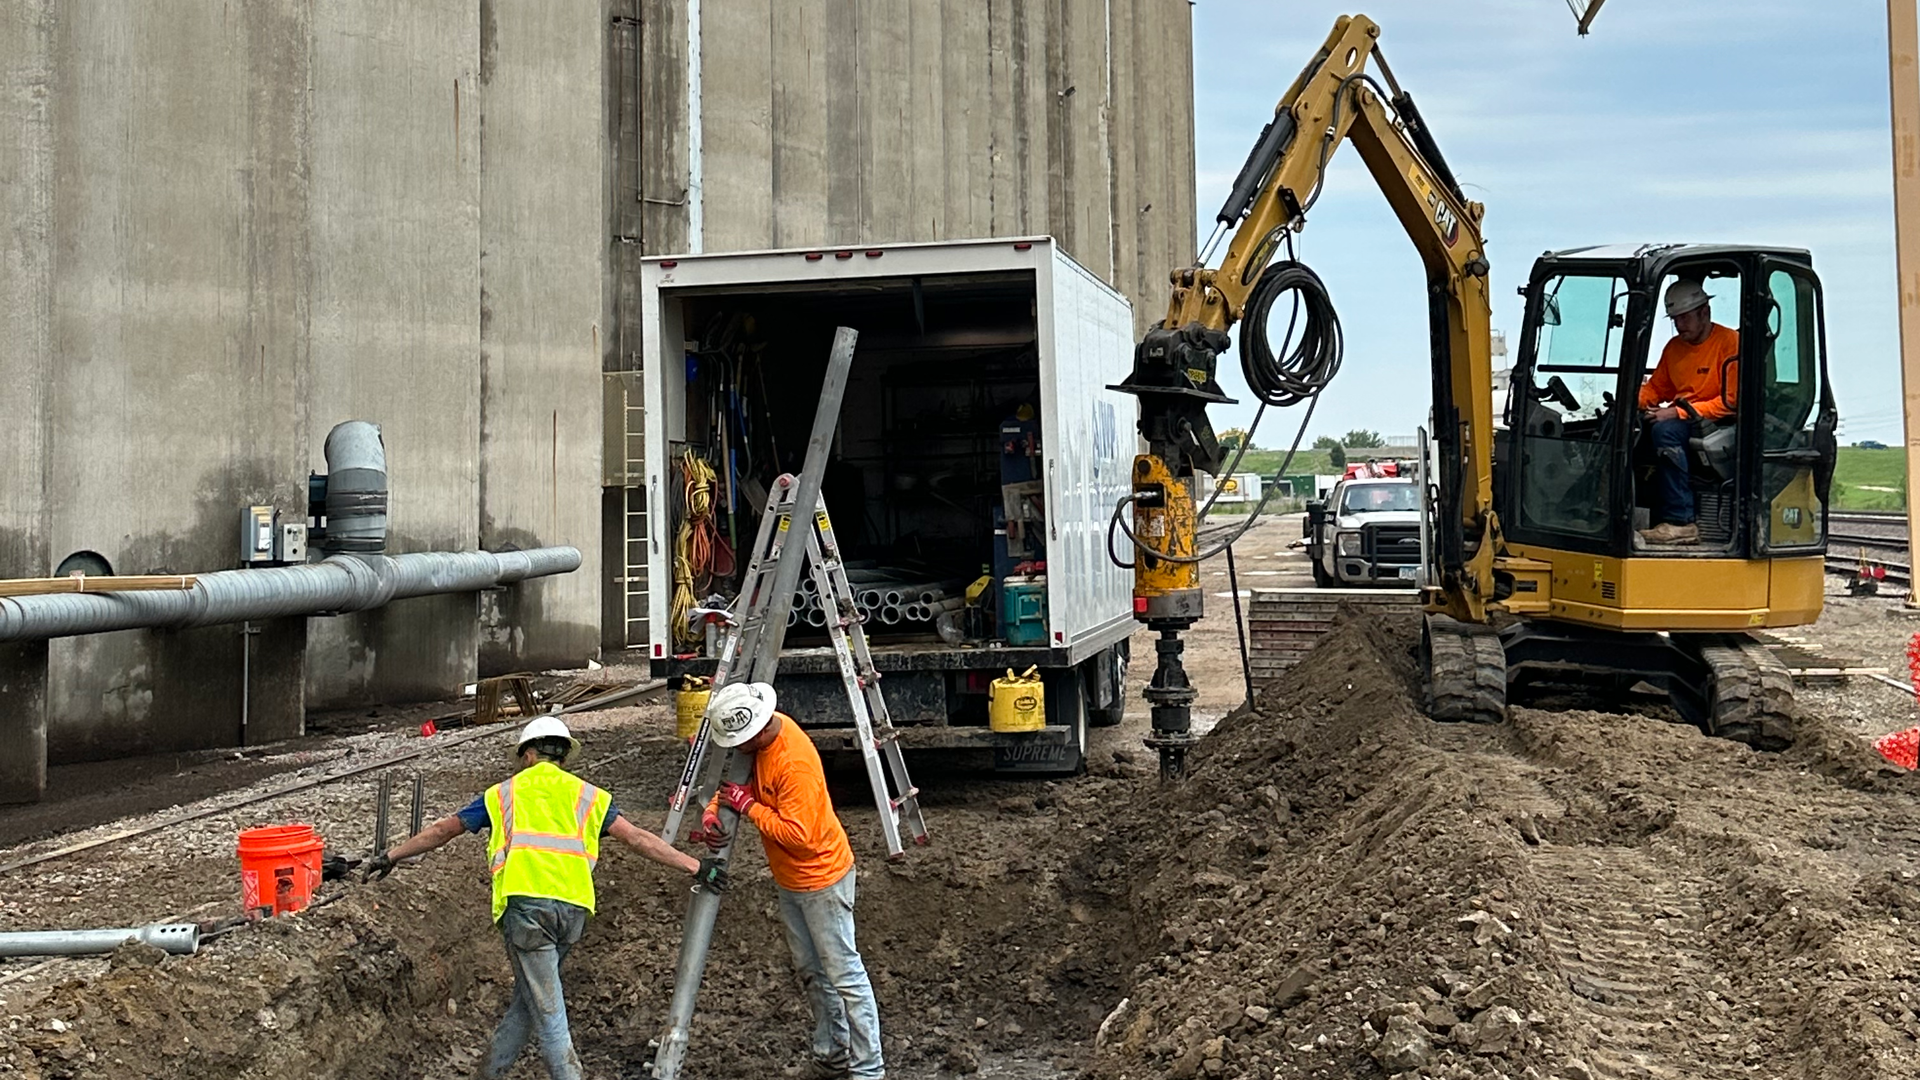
(1333, 101)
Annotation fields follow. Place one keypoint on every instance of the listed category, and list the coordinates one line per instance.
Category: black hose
(1313, 360)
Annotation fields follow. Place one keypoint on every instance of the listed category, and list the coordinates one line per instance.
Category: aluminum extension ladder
(898, 802)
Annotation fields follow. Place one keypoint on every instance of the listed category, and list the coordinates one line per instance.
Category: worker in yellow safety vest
(545, 827)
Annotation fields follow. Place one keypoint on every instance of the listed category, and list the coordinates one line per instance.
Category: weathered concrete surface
(396, 324)
(26, 256)
(224, 229)
(542, 269)
(178, 336)
(868, 121)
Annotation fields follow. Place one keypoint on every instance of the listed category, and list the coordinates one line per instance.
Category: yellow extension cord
(699, 479)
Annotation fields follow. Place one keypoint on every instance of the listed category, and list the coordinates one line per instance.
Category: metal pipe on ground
(890, 615)
(180, 939)
(338, 584)
(869, 598)
(816, 617)
(914, 612)
(948, 603)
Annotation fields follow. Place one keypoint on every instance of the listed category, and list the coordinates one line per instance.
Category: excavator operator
(1694, 384)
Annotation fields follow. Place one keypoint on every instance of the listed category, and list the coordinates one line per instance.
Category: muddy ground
(1340, 889)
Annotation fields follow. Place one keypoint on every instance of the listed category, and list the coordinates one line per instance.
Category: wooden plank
(81, 583)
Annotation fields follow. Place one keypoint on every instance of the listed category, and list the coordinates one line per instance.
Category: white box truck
(979, 438)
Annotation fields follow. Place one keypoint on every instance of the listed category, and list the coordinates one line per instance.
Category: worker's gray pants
(846, 1021)
(539, 933)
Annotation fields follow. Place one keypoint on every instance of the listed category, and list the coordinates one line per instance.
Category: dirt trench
(1340, 889)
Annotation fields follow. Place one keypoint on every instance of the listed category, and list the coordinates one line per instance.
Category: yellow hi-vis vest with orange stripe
(545, 836)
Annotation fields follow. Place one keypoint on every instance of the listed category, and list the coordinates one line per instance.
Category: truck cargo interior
(945, 384)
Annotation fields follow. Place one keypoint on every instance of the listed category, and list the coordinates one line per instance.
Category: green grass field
(1860, 477)
(1855, 479)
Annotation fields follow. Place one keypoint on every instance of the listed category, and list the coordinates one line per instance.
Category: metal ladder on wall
(894, 795)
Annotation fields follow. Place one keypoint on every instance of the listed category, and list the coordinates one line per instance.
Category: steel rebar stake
(759, 665)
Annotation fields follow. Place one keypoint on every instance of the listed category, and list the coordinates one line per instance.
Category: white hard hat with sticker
(739, 711)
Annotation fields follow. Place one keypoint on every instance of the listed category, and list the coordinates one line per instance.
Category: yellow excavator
(1537, 568)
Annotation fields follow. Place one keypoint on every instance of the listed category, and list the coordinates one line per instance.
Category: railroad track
(1897, 542)
(1898, 573)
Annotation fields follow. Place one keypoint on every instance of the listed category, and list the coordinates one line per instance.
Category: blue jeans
(846, 1021)
(1670, 447)
(539, 933)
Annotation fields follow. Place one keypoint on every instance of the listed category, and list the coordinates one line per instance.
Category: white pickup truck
(1365, 532)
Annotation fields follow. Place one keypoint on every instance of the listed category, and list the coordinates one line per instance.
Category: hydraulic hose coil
(1313, 328)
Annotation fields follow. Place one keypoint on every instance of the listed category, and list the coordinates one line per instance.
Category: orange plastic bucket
(279, 868)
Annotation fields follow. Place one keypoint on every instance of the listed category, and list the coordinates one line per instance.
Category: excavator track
(1750, 695)
(1466, 672)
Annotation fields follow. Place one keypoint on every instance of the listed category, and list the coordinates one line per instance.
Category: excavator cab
(1580, 471)
(1578, 477)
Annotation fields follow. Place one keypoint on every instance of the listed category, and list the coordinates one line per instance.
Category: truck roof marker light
(874, 253)
(843, 254)
(1023, 246)
(813, 256)
(659, 652)
(1139, 607)
(1059, 637)
(668, 264)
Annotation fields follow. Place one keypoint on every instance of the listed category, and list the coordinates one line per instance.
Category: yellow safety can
(690, 704)
(1017, 702)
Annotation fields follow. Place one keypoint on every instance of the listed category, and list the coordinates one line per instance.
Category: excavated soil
(1340, 889)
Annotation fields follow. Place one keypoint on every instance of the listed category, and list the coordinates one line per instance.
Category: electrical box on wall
(293, 543)
(259, 528)
(265, 541)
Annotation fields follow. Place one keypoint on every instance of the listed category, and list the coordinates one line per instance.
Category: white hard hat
(545, 727)
(1685, 296)
(739, 712)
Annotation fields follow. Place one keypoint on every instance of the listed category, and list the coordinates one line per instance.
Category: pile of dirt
(1334, 901)
(1353, 890)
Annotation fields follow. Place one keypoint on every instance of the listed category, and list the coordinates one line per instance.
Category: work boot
(1669, 533)
(823, 1069)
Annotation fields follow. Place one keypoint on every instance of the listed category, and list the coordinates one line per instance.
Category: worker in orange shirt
(1697, 381)
(812, 868)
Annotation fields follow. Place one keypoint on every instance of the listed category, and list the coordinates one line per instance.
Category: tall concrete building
(226, 228)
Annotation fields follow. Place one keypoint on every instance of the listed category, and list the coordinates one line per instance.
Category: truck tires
(1321, 579)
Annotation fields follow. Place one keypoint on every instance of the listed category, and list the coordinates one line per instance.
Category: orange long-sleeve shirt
(1694, 374)
(806, 845)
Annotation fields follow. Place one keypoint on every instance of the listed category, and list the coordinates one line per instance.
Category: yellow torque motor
(1164, 590)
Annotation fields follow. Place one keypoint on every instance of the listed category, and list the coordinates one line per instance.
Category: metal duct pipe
(869, 598)
(914, 612)
(815, 617)
(890, 615)
(180, 939)
(356, 488)
(338, 584)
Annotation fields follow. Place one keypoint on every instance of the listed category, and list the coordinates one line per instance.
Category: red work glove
(738, 796)
(710, 832)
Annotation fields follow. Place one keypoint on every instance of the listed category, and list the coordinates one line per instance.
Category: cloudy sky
(1741, 121)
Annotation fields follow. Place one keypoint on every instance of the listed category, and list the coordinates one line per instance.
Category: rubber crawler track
(1752, 695)
(1466, 672)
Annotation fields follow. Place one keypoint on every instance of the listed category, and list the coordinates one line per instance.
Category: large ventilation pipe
(338, 584)
(356, 488)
